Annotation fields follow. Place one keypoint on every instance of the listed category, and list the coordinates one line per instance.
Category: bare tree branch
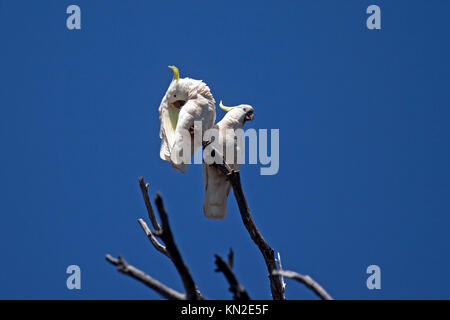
(153, 239)
(283, 284)
(165, 233)
(307, 281)
(239, 292)
(148, 205)
(163, 290)
(267, 252)
(258, 239)
(231, 258)
(169, 249)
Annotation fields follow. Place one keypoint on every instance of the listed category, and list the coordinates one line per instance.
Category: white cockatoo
(217, 186)
(185, 102)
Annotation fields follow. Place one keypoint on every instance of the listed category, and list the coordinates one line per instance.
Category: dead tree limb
(239, 292)
(280, 267)
(158, 246)
(163, 290)
(231, 258)
(164, 232)
(307, 281)
(148, 205)
(166, 235)
(151, 215)
(169, 249)
(267, 252)
(258, 239)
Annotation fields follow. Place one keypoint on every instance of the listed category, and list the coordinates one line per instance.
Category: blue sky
(364, 135)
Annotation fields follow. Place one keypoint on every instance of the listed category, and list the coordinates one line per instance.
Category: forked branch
(307, 281)
(169, 249)
(239, 292)
(192, 293)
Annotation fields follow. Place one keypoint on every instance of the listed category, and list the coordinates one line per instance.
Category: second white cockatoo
(216, 184)
(185, 102)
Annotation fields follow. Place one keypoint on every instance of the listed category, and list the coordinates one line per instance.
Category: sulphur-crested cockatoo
(185, 102)
(217, 186)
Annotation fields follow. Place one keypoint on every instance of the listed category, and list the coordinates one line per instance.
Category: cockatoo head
(241, 113)
(179, 89)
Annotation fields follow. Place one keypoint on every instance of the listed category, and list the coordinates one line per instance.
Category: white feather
(197, 109)
(217, 187)
(199, 106)
(168, 116)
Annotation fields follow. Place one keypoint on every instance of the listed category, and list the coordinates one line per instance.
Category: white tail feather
(217, 189)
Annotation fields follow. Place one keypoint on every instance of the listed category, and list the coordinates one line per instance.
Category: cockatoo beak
(178, 104)
(249, 117)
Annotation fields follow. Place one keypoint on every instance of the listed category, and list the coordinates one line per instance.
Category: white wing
(168, 116)
(198, 109)
(217, 186)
